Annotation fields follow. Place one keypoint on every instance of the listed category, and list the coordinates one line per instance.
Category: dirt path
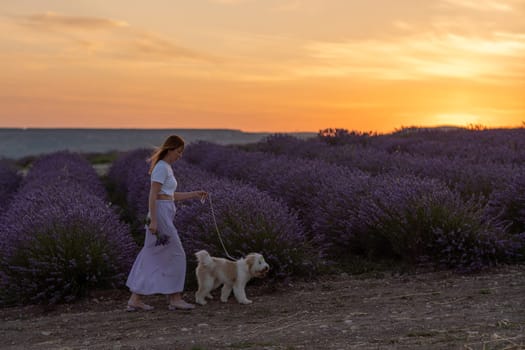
(423, 311)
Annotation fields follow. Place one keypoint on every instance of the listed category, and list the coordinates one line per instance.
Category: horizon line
(150, 129)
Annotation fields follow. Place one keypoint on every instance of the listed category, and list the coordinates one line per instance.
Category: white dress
(160, 269)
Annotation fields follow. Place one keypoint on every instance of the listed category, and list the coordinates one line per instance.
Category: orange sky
(262, 65)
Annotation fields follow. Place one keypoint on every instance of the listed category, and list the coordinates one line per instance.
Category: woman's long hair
(172, 142)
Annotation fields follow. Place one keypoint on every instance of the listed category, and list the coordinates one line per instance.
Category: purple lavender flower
(405, 213)
(60, 238)
(162, 239)
(10, 180)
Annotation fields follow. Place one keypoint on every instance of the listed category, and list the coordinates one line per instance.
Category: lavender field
(410, 240)
(341, 201)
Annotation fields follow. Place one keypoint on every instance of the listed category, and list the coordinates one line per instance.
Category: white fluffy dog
(212, 272)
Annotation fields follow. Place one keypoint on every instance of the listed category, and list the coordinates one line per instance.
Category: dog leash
(217, 229)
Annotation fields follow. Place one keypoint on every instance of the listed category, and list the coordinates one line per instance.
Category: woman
(160, 267)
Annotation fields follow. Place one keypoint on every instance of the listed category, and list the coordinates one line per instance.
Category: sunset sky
(262, 65)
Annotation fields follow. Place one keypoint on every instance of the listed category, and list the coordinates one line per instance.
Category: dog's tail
(204, 258)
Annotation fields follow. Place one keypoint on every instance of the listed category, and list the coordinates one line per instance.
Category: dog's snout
(265, 270)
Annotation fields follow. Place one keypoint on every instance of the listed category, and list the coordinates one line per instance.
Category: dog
(212, 272)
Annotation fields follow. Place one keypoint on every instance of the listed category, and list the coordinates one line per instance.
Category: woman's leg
(175, 297)
(135, 299)
(176, 302)
(135, 302)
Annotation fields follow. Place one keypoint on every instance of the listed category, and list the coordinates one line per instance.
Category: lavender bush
(248, 219)
(466, 177)
(470, 172)
(335, 212)
(122, 170)
(492, 145)
(324, 195)
(65, 167)
(508, 202)
(128, 186)
(296, 181)
(60, 239)
(415, 195)
(448, 198)
(138, 186)
(420, 220)
(473, 162)
(9, 182)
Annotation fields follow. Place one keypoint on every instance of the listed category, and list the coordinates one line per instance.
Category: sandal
(141, 306)
(181, 305)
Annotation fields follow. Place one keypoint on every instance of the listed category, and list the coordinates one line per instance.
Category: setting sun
(456, 119)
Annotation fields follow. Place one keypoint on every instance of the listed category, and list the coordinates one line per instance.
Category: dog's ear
(250, 261)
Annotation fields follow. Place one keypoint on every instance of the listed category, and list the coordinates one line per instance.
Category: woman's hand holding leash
(202, 195)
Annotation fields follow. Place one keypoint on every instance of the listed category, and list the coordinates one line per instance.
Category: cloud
(78, 38)
(497, 56)
(290, 6)
(52, 20)
(229, 2)
(402, 25)
(155, 46)
(481, 5)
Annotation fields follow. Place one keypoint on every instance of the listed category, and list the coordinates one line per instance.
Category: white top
(163, 173)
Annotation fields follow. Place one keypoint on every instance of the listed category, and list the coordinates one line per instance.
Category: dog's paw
(201, 301)
(209, 296)
(245, 301)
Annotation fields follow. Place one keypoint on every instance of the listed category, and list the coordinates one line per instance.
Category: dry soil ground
(440, 310)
